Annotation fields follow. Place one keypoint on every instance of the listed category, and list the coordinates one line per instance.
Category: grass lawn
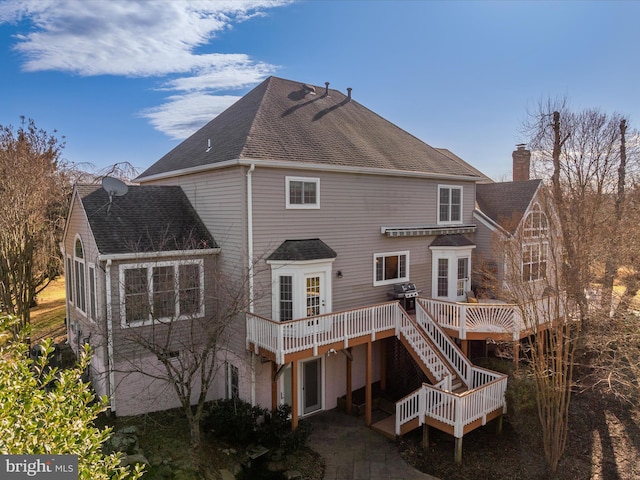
(47, 319)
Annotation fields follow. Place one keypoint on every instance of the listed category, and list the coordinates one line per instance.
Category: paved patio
(354, 452)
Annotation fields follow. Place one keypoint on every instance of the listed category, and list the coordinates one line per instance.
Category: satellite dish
(114, 187)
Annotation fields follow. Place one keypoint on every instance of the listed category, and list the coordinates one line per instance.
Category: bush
(239, 422)
(234, 420)
(522, 408)
(276, 431)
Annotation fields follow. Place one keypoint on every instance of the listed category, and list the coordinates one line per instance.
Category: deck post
(349, 384)
(425, 435)
(516, 354)
(368, 390)
(464, 346)
(294, 395)
(458, 453)
(499, 425)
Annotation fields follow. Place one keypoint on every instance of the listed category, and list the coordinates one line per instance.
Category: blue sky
(126, 81)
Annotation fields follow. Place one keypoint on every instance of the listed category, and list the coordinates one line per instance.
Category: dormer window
(302, 192)
(449, 204)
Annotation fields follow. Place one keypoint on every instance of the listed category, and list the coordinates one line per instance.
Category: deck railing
(282, 338)
(491, 317)
(456, 410)
(422, 344)
(458, 361)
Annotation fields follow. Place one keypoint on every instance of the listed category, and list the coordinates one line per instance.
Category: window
(449, 204)
(286, 298)
(78, 262)
(232, 389)
(534, 261)
(303, 192)
(69, 279)
(463, 276)
(390, 268)
(534, 249)
(92, 293)
(535, 225)
(161, 291)
(443, 277)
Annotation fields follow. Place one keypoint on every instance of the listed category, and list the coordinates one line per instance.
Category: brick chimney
(521, 162)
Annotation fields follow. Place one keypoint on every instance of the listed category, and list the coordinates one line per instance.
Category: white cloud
(184, 114)
(141, 39)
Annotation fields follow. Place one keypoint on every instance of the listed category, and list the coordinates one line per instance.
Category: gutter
(112, 398)
(270, 163)
(108, 257)
(250, 268)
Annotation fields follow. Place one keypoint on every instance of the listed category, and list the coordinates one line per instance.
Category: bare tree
(584, 157)
(34, 194)
(190, 343)
(533, 267)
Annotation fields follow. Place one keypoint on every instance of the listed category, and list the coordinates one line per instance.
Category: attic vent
(309, 89)
(349, 92)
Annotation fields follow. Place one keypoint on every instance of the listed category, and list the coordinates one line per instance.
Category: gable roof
(281, 120)
(506, 202)
(145, 219)
(302, 250)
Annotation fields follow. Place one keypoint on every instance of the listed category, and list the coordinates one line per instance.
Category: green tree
(49, 411)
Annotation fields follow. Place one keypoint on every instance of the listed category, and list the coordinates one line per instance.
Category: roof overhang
(306, 166)
(426, 230)
(149, 255)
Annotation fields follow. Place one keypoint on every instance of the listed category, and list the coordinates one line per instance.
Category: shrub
(276, 431)
(239, 422)
(521, 405)
(234, 420)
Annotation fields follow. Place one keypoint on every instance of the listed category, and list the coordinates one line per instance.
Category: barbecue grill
(406, 293)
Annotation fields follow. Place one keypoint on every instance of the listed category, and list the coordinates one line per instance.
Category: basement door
(311, 385)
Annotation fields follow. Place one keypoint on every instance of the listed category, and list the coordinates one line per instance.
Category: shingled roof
(506, 202)
(145, 219)
(302, 250)
(281, 120)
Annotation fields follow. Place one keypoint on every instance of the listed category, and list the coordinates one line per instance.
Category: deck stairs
(460, 398)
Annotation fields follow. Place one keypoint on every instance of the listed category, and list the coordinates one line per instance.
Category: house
(338, 219)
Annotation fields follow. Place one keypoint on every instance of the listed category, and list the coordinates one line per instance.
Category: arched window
(535, 245)
(78, 262)
(535, 225)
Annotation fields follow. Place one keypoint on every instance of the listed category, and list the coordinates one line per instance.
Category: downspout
(250, 271)
(112, 398)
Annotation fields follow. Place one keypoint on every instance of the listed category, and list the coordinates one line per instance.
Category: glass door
(311, 386)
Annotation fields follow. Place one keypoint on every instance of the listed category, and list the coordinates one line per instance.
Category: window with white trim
(535, 245)
(161, 291)
(449, 204)
(286, 297)
(69, 279)
(92, 293)
(443, 277)
(463, 276)
(390, 268)
(232, 381)
(78, 262)
(302, 192)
